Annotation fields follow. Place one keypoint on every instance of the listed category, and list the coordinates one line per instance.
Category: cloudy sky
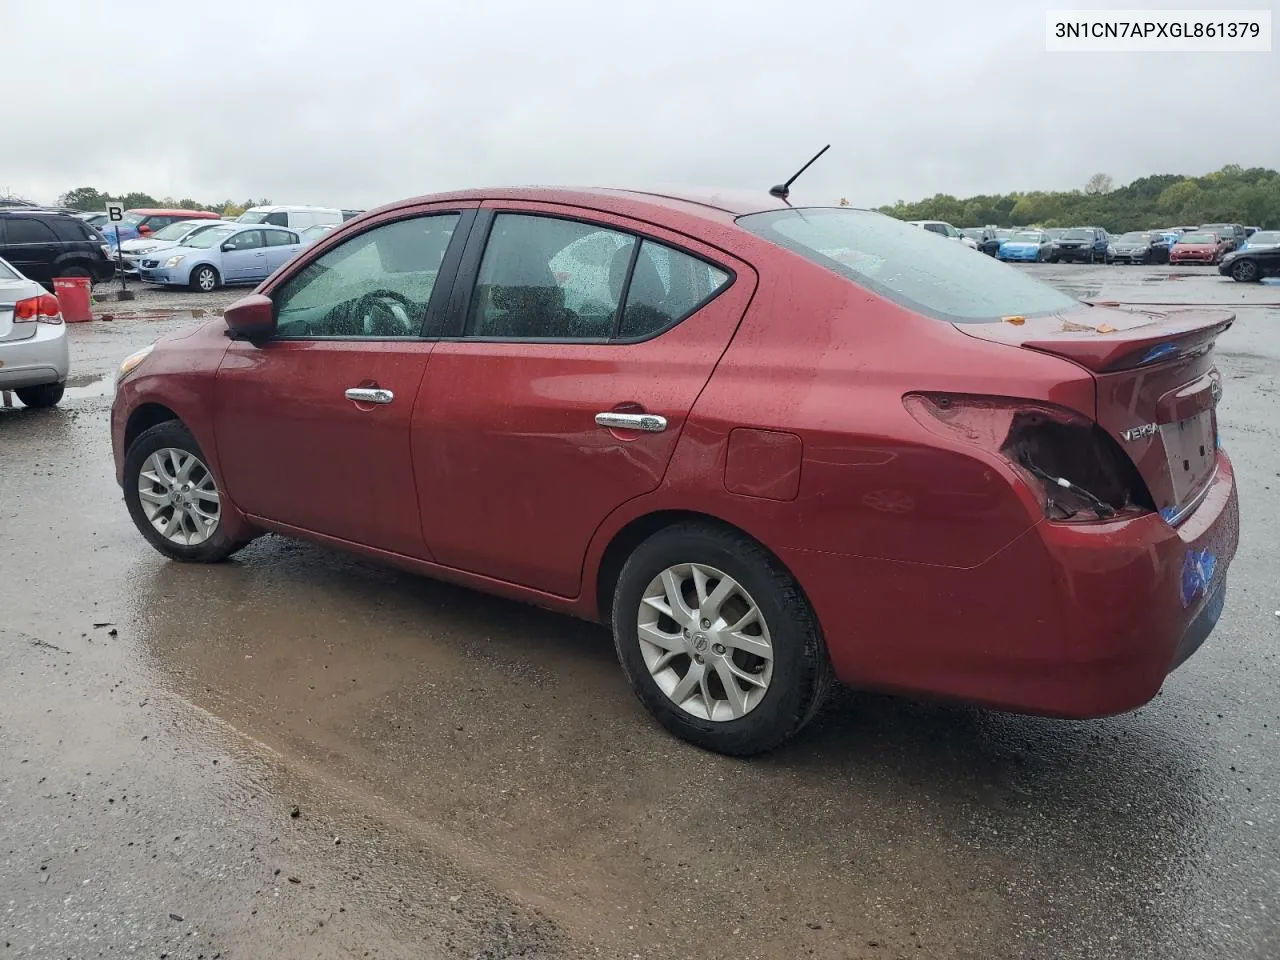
(359, 102)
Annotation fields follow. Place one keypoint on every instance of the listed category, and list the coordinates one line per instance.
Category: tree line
(93, 199)
(1230, 195)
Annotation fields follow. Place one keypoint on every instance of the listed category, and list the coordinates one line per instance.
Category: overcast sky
(360, 102)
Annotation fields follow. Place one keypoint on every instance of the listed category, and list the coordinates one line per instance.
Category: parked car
(225, 254)
(1250, 231)
(1085, 244)
(1233, 234)
(43, 244)
(695, 454)
(95, 220)
(174, 235)
(295, 218)
(1171, 234)
(311, 234)
(1027, 245)
(34, 360)
(1252, 264)
(1262, 240)
(1140, 246)
(944, 229)
(985, 237)
(1199, 247)
(145, 221)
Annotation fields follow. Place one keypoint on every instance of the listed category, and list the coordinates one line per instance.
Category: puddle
(88, 385)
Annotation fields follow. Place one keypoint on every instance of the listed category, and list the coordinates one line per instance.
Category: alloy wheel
(1245, 271)
(705, 642)
(179, 496)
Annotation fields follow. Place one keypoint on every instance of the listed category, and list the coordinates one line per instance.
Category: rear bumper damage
(1069, 620)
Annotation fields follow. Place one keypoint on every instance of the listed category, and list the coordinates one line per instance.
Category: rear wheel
(1246, 271)
(76, 270)
(717, 640)
(45, 395)
(174, 498)
(204, 279)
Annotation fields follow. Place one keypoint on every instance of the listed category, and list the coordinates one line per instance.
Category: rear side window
(27, 230)
(70, 229)
(666, 286)
(946, 281)
(280, 238)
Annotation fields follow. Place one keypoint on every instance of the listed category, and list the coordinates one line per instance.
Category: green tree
(83, 198)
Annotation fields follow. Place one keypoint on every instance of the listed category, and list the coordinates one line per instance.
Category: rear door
(578, 344)
(244, 257)
(312, 427)
(281, 246)
(31, 246)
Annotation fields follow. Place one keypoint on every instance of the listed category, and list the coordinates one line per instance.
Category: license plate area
(1191, 450)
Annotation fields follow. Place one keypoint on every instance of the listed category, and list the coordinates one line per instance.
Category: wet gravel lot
(298, 754)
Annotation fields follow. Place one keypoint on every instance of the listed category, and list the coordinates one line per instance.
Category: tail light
(41, 309)
(1075, 468)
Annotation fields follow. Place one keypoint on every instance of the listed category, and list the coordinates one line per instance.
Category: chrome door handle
(370, 395)
(645, 422)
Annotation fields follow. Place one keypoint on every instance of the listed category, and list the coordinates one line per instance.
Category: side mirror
(251, 318)
(227, 247)
(144, 230)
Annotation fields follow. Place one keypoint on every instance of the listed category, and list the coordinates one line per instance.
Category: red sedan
(1199, 248)
(772, 447)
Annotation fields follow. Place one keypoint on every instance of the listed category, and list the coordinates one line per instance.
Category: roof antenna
(783, 190)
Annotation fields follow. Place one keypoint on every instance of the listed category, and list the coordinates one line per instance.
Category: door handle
(644, 422)
(370, 395)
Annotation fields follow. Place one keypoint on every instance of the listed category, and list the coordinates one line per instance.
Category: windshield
(903, 264)
(130, 220)
(1199, 238)
(1134, 237)
(1078, 235)
(973, 233)
(173, 231)
(253, 216)
(1265, 236)
(1025, 236)
(211, 237)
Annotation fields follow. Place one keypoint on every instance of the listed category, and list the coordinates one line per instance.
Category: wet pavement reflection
(473, 775)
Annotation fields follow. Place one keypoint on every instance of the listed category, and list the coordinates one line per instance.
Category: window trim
(437, 304)
(468, 275)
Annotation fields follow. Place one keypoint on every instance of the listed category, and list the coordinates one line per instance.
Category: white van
(295, 218)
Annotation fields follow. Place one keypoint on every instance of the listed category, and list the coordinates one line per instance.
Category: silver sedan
(34, 359)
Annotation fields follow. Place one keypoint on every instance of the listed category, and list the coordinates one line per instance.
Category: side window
(376, 284)
(248, 240)
(666, 286)
(936, 228)
(27, 230)
(543, 277)
(280, 238)
(277, 219)
(69, 228)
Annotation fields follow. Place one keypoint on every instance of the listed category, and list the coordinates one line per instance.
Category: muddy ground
(301, 755)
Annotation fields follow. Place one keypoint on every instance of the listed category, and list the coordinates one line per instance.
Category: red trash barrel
(73, 298)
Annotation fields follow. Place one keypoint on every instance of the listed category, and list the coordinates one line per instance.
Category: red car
(1199, 248)
(772, 447)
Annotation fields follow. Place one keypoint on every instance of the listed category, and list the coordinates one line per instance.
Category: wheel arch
(639, 529)
(146, 416)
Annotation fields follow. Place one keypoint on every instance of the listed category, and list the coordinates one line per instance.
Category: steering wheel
(385, 320)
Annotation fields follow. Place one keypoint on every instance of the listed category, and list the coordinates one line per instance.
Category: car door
(536, 419)
(312, 426)
(281, 247)
(244, 257)
(31, 246)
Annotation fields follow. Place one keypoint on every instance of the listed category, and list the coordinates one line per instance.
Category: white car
(173, 235)
(34, 358)
(942, 228)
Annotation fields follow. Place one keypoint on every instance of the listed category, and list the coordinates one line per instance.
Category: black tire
(76, 270)
(1245, 271)
(45, 395)
(802, 673)
(204, 279)
(171, 433)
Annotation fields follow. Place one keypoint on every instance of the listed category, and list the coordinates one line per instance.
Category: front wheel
(1246, 271)
(45, 395)
(718, 641)
(204, 279)
(173, 497)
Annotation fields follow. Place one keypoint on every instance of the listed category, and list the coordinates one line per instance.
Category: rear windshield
(947, 281)
(7, 273)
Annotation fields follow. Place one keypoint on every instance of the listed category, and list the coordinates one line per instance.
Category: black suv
(44, 244)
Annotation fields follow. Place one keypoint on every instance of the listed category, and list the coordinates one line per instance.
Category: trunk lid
(1157, 387)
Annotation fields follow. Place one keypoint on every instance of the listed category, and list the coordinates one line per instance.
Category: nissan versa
(771, 447)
